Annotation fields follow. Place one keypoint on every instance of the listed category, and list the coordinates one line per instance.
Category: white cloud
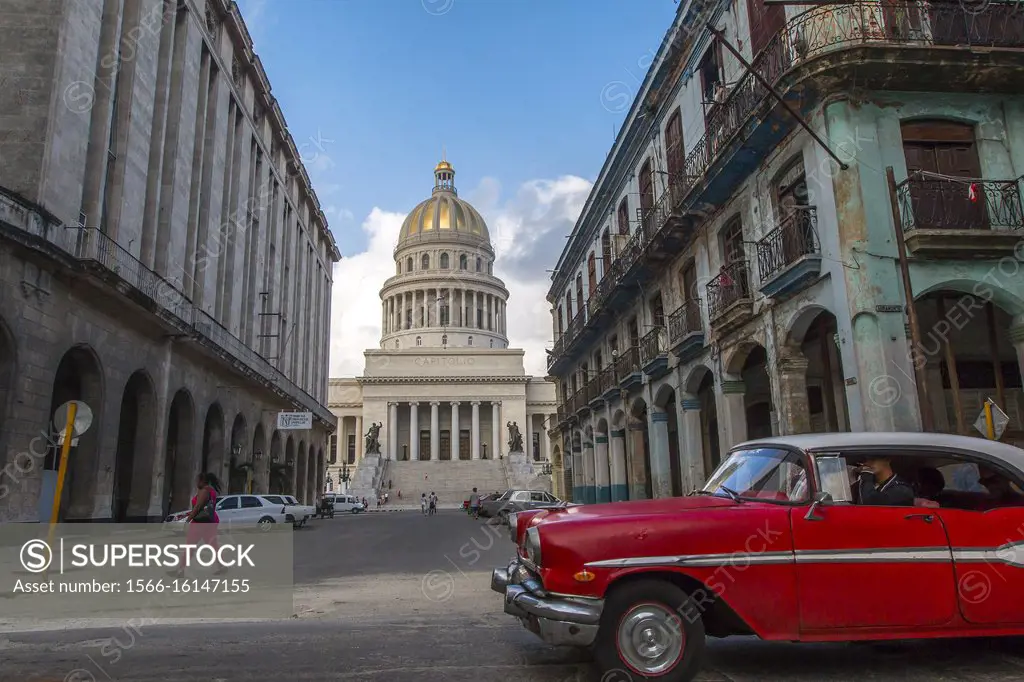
(527, 231)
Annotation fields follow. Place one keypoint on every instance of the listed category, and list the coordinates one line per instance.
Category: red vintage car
(778, 545)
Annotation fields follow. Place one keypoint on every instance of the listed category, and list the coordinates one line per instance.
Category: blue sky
(519, 92)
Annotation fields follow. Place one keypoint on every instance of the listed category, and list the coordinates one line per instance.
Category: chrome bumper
(557, 621)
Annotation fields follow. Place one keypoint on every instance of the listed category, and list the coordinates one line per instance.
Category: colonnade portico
(456, 430)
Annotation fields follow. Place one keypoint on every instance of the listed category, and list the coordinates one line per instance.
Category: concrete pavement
(400, 597)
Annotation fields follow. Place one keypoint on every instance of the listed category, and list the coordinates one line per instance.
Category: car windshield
(765, 474)
(508, 494)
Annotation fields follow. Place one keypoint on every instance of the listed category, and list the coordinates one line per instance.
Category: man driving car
(879, 485)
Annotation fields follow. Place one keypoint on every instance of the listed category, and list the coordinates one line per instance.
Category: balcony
(789, 257)
(627, 368)
(653, 354)
(118, 272)
(962, 219)
(609, 386)
(686, 331)
(594, 389)
(580, 404)
(729, 300)
(562, 411)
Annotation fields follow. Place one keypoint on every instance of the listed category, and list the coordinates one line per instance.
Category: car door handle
(927, 518)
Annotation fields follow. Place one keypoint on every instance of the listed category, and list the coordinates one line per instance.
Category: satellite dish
(83, 418)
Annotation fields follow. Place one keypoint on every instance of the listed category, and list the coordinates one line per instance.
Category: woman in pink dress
(201, 522)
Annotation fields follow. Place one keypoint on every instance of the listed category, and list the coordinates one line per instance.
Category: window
(613, 343)
(634, 332)
(444, 261)
(536, 447)
(425, 262)
(398, 268)
(249, 502)
(623, 216)
(646, 182)
(470, 341)
(790, 189)
(463, 262)
(492, 343)
(765, 21)
(688, 282)
(561, 323)
(732, 242)
(675, 152)
(228, 503)
(592, 272)
(274, 499)
(444, 339)
(419, 340)
(768, 474)
(579, 294)
(490, 268)
(657, 310)
(711, 73)
(606, 252)
(479, 264)
(396, 343)
(944, 148)
(568, 305)
(351, 448)
(537, 497)
(408, 264)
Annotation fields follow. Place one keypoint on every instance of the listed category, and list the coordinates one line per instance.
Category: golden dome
(444, 212)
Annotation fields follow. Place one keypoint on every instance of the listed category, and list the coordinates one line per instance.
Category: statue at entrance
(515, 438)
(373, 439)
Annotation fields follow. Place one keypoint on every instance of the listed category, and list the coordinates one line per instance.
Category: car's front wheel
(650, 630)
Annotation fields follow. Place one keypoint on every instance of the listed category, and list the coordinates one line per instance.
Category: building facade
(444, 385)
(735, 272)
(164, 259)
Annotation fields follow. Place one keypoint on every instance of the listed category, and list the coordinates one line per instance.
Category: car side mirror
(820, 499)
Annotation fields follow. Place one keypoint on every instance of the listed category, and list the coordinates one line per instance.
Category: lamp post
(344, 478)
(545, 468)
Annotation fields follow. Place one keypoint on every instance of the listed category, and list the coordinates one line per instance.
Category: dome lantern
(444, 178)
(444, 215)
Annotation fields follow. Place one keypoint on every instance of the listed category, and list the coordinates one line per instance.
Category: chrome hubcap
(651, 639)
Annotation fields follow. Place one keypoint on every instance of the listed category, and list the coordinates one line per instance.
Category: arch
(470, 341)
(213, 441)
(801, 324)
(463, 262)
(444, 261)
(301, 471)
(79, 376)
(419, 340)
(588, 432)
(180, 463)
(260, 461)
(695, 377)
(619, 420)
(664, 395)
(738, 356)
(133, 458)
(638, 407)
(409, 264)
(556, 456)
(278, 474)
(602, 426)
(238, 476)
(291, 462)
(999, 294)
(425, 261)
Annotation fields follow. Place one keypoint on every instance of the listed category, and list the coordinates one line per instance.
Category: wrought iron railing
(562, 411)
(628, 362)
(593, 304)
(574, 328)
(929, 202)
(594, 388)
(607, 379)
(795, 237)
(730, 286)
(685, 320)
(652, 344)
(90, 245)
(579, 401)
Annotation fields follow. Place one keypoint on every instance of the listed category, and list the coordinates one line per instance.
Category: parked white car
(346, 503)
(298, 514)
(242, 510)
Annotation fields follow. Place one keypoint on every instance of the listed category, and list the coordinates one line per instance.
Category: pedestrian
(399, 493)
(389, 484)
(201, 522)
(433, 503)
(474, 504)
(423, 503)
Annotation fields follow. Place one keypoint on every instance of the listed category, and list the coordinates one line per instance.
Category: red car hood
(668, 505)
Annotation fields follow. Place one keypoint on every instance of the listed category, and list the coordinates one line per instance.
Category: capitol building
(450, 403)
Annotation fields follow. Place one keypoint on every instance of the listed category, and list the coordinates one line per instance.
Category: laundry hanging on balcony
(972, 192)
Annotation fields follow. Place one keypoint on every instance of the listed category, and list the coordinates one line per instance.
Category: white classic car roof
(811, 442)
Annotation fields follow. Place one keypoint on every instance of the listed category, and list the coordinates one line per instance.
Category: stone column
(495, 430)
(487, 301)
(545, 446)
(414, 431)
(437, 305)
(691, 445)
(601, 472)
(578, 487)
(455, 433)
(661, 471)
(635, 454)
(360, 441)
(619, 487)
(590, 491)
(733, 413)
(435, 432)
(794, 410)
(393, 431)
(474, 433)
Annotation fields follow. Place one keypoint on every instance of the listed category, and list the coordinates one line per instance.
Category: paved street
(400, 597)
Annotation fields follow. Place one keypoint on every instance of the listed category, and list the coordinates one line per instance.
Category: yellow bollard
(989, 422)
(62, 470)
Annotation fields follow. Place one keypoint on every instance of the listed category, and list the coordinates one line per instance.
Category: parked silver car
(519, 500)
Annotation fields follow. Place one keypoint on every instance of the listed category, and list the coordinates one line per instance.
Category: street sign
(992, 421)
(294, 421)
(83, 420)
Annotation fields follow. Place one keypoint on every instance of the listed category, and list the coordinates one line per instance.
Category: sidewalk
(410, 507)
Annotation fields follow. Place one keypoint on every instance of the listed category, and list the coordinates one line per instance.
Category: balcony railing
(607, 379)
(729, 287)
(795, 237)
(928, 202)
(579, 400)
(575, 327)
(628, 362)
(594, 388)
(93, 248)
(685, 320)
(652, 345)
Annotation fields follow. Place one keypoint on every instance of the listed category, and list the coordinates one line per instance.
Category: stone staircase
(451, 480)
